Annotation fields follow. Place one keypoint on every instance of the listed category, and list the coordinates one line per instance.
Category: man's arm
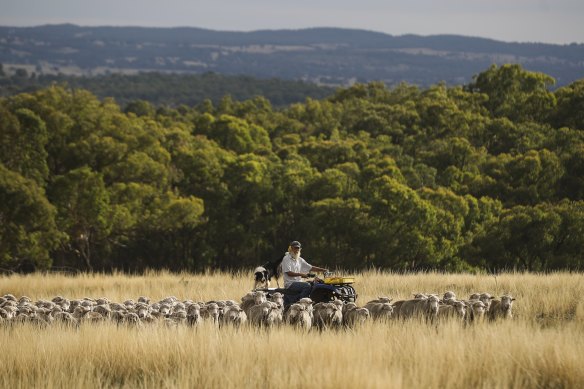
(294, 274)
(318, 269)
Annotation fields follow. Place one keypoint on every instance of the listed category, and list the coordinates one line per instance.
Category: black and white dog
(264, 274)
(261, 280)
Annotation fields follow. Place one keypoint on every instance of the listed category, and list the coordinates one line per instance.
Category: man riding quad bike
(294, 268)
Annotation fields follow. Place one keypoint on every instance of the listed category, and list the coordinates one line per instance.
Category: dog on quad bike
(264, 274)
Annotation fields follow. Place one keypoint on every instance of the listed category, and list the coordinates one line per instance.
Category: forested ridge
(489, 175)
(170, 90)
(328, 56)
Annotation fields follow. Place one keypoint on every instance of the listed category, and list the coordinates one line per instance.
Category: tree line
(171, 90)
(488, 175)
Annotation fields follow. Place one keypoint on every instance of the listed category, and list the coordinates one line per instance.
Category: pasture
(541, 347)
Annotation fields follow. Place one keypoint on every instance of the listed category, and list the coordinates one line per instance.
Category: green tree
(333, 183)
(140, 108)
(523, 179)
(237, 135)
(569, 111)
(572, 183)
(404, 226)
(83, 214)
(338, 232)
(172, 236)
(244, 221)
(515, 93)
(23, 138)
(27, 222)
(540, 238)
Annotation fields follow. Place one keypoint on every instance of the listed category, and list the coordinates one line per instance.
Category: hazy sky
(550, 21)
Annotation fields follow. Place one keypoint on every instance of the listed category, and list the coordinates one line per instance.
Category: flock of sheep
(256, 308)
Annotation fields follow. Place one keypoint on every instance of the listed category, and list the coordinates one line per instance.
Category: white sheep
(299, 315)
(501, 309)
(180, 317)
(257, 313)
(102, 301)
(253, 298)
(142, 310)
(193, 314)
(355, 316)
(486, 299)
(277, 298)
(475, 311)
(266, 314)
(104, 310)
(234, 315)
(306, 301)
(380, 310)
(117, 317)
(165, 310)
(9, 297)
(223, 306)
(26, 310)
(37, 321)
(132, 320)
(116, 307)
(46, 315)
(93, 317)
(276, 316)
(66, 319)
(65, 304)
(44, 304)
(24, 300)
(210, 312)
(88, 303)
(4, 314)
(454, 310)
(380, 300)
(170, 300)
(80, 311)
(328, 314)
(9, 303)
(178, 306)
(426, 308)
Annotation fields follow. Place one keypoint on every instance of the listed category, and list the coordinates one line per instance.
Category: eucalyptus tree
(28, 231)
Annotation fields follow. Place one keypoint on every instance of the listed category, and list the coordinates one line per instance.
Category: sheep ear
(513, 299)
(492, 297)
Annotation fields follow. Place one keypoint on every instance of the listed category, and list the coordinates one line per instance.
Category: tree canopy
(486, 176)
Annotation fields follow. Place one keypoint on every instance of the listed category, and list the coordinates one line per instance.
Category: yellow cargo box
(339, 280)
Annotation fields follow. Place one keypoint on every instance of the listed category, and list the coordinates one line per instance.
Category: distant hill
(326, 56)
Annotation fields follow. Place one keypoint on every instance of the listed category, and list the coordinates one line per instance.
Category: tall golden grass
(542, 347)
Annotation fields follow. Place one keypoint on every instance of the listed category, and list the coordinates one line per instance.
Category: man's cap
(295, 243)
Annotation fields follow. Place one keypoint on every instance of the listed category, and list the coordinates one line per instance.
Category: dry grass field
(542, 347)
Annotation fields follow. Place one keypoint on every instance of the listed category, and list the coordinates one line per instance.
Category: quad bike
(323, 290)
